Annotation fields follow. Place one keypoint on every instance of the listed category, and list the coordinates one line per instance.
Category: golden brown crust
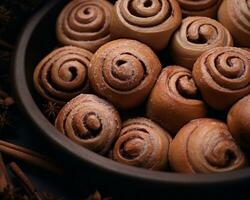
(235, 15)
(85, 23)
(90, 121)
(142, 143)
(223, 76)
(124, 71)
(195, 36)
(63, 74)
(238, 121)
(205, 146)
(174, 100)
(151, 21)
(205, 8)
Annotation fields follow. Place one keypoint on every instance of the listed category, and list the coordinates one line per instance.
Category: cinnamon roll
(63, 74)
(89, 121)
(85, 23)
(223, 76)
(238, 120)
(174, 100)
(195, 36)
(149, 21)
(205, 8)
(205, 146)
(235, 15)
(142, 143)
(124, 71)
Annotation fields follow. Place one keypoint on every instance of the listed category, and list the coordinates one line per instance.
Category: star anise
(51, 110)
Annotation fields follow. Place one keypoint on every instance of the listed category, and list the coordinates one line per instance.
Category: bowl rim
(28, 105)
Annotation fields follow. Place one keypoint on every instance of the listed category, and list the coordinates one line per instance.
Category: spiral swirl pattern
(235, 16)
(205, 146)
(146, 21)
(124, 71)
(85, 23)
(89, 121)
(142, 143)
(206, 8)
(195, 36)
(176, 94)
(223, 72)
(63, 74)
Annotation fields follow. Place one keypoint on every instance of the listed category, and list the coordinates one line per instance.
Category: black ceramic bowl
(37, 39)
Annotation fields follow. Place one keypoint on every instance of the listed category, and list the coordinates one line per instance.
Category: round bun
(85, 23)
(223, 76)
(205, 146)
(142, 143)
(124, 71)
(90, 121)
(174, 100)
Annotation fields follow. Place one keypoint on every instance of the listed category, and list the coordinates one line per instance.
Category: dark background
(13, 16)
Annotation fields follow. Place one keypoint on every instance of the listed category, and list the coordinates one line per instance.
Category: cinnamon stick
(3, 175)
(30, 157)
(25, 181)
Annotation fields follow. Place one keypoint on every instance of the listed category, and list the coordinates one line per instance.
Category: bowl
(37, 39)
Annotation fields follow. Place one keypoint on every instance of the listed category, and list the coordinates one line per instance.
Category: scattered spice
(5, 99)
(30, 157)
(12, 194)
(5, 16)
(4, 121)
(97, 196)
(31, 192)
(25, 181)
(50, 110)
(49, 196)
(5, 103)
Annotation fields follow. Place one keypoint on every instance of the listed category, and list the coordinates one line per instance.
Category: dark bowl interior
(37, 39)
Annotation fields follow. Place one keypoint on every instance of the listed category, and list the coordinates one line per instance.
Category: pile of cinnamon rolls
(118, 100)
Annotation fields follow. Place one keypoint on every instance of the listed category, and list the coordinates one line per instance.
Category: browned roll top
(235, 15)
(205, 8)
(223, 76)
(85, 23)
(149, 21)
(195, 36)
(124, 71)
(142, 143)
(90, 121)
(205, 146)
(238, 121)
(174, 100)
(63, 74)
